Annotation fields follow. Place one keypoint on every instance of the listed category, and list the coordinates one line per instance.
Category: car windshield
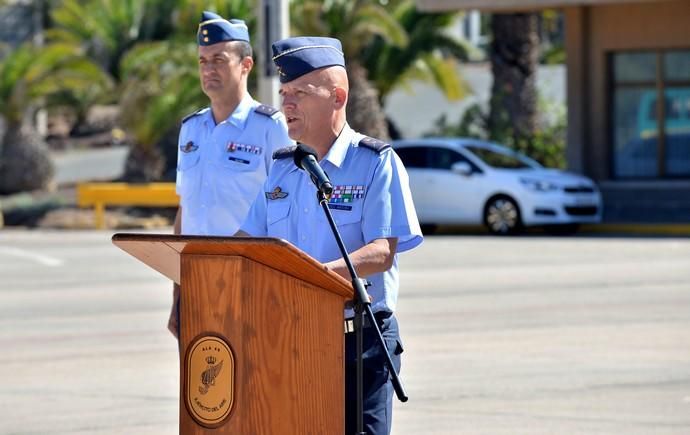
(503, 158)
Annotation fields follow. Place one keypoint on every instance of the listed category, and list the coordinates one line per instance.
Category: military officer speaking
(225, 150)
(371, 204)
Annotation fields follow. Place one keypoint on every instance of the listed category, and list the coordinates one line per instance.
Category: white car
(471, 182)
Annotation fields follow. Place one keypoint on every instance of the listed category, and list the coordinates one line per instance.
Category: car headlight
(538, 185)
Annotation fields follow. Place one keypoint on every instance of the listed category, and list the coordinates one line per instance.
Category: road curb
(637, 229)
(614, 229)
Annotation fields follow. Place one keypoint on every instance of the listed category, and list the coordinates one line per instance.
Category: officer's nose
(288, 102)
(207, 68)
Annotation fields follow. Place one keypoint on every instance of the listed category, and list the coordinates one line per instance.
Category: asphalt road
(99, 164)
(530, 335)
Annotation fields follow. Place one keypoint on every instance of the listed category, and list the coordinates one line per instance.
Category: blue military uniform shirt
(371, 200)
(221, 168)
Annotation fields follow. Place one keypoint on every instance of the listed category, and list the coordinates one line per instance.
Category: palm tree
(431, 55)
(355, 23)
(105, 29)
(160, 86)
(28, 75)
(514, 58)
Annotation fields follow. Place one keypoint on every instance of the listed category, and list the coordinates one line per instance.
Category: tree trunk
(514, 57)
(364, 111)
(143, 164)
(25, 162)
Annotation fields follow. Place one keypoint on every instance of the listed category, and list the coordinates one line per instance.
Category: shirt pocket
(349, 223)
(188, 173)
(188, 161)
(277, 213)
(346, 214)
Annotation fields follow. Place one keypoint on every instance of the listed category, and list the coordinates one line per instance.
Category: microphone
(305, 158)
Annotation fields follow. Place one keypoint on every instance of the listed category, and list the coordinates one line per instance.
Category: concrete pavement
(528, 335)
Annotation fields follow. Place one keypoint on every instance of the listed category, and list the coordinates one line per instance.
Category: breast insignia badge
(276, 194)
(189, 147)
(209, 381)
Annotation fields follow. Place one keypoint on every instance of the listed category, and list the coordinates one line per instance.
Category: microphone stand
(362, 305)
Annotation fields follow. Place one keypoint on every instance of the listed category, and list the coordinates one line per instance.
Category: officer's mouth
(291, 119)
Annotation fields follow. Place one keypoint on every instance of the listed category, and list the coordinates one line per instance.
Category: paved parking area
(528, 335)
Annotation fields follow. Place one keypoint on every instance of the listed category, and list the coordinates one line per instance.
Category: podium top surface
(162, 252)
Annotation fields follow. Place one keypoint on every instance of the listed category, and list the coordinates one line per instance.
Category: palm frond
(381, 23)
(445, 75)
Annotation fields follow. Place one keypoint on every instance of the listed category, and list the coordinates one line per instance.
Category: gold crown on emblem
(211, 359)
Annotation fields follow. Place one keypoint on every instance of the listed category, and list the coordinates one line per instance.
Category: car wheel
(502, 216)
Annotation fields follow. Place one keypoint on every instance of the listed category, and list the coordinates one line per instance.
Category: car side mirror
(462, 168)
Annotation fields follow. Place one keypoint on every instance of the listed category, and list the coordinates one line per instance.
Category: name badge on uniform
(189, 147)
(236, 146)
(276, 194)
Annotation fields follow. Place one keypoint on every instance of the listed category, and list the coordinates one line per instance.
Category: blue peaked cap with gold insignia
(214, 29)
(297, 56)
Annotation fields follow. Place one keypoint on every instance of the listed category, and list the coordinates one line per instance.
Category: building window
(651, 114)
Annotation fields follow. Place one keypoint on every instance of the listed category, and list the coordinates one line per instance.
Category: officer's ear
(247, 64)
(340, 97)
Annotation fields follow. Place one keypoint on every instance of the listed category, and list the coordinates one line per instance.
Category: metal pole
(273, 24)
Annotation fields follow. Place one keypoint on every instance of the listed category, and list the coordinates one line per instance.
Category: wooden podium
(261, 334)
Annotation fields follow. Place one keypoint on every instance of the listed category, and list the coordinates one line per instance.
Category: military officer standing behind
(225, 150)
(371, 204)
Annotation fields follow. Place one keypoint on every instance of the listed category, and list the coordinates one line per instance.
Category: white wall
(415, 112)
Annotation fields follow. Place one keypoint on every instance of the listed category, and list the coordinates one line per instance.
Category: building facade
(628, 98)
(20, 21)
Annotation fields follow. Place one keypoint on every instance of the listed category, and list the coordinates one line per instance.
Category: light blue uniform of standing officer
(220, 168)
(224, 151)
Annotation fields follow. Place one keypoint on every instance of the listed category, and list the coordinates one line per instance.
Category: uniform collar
(338, 150)
(239, 116)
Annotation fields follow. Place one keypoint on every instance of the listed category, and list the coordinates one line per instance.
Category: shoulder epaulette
(284, 153)
(374, 144)
(265, 110)
(192, 115)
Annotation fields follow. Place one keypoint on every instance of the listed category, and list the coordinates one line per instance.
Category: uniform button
(304, 238)
(306, 210)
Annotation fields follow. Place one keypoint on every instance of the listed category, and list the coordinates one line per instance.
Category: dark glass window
(651, 140)
(634, 67)
(443, 158)
(498, 159)
(413, 157)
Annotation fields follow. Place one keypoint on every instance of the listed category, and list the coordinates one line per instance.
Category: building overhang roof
(513, 5)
